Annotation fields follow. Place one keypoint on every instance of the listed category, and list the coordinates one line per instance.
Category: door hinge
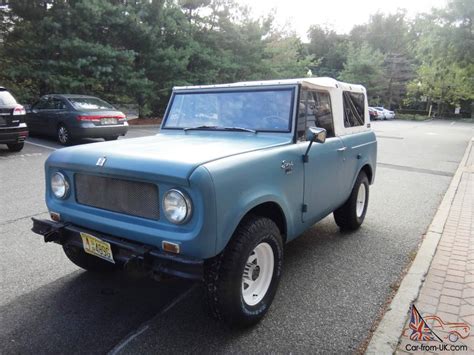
(304, 208)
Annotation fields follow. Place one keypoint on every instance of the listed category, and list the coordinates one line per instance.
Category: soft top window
(6, 99)
(354, 108)
(89, 103)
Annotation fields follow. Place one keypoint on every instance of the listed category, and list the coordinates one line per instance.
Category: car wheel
(87, 261)
(15, 147)
(352, 213)
(114, 138)
(64, 135)
(242, 281)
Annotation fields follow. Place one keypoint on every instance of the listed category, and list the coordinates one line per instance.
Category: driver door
(322, 172)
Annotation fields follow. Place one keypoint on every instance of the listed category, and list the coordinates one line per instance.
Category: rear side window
(315, 111)
(354, 108)
(6, 99)
(90, 103)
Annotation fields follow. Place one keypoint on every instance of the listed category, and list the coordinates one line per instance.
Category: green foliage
(445, 49)
(136, 51)
(364, 65)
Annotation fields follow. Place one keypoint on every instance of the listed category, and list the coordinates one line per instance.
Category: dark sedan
(72, 117)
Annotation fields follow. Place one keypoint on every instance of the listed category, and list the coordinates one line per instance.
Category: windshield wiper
(240, 129)
(199, 127)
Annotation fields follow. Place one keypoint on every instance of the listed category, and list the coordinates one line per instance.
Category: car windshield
(6, 99)
(89, 103)
(266, 110)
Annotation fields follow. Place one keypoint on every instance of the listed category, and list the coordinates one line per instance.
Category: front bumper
(145, 257)
(15, 134)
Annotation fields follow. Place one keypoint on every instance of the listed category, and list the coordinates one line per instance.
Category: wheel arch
(367, 169)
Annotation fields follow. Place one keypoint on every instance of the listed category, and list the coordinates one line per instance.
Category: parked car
(387, 114)
(71, 117)
(13, 130)
(374, 114)
(236, 171)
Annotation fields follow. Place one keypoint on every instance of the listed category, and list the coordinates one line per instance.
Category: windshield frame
(231, 89)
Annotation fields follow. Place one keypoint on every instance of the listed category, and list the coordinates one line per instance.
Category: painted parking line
(40, 145)
(144, 327)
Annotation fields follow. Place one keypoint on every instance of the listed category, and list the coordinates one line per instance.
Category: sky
(340, 15)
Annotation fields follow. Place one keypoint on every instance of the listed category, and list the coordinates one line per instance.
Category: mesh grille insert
(123, 196)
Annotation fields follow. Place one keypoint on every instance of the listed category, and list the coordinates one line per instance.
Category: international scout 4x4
(236, 172)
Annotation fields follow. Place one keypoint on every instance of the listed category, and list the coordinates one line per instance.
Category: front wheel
(352, 213)
(15, 147)
(242, 281)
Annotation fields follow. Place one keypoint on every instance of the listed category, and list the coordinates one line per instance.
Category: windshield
(90, 103)
(266, 110)
(6, 99)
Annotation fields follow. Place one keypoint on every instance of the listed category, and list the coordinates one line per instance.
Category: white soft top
(317, 83)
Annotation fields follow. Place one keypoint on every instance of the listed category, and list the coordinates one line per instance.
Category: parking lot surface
(333, 287)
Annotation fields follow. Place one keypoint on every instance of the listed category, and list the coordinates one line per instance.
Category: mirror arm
(306, 156)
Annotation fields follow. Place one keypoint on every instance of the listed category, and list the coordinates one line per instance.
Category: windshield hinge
(304, 208)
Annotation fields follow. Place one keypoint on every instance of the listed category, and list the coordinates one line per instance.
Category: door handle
(342, 149)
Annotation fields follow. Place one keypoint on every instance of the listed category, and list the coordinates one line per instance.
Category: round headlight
(177, 206)
(59, 185)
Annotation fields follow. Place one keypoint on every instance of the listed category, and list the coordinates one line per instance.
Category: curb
(386, 336)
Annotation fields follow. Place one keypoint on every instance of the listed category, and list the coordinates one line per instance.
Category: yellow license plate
(95, 246)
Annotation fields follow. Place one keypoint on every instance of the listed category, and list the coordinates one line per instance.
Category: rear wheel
(352, 213)
(242, 281)
(15, 147)
(113, 138)
(86, 261)
(64, 135)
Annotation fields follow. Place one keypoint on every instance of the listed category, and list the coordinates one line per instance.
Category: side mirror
(314, 134)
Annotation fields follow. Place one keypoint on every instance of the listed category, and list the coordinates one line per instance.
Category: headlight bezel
(187, 201)
(65, 184)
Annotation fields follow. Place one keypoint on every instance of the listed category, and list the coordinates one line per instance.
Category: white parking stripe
(40, 145)
(116, 350)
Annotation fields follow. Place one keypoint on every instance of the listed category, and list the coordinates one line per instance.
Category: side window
(42, 104)
(354, 108)
(57, 104)
(315, 111)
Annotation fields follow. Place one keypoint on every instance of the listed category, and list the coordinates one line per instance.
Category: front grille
(123, 196)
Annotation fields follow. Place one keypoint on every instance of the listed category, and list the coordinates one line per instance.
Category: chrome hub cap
(361, 196)
(63, 135)
(258, 273)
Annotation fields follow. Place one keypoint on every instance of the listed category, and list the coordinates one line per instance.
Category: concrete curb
(386, 336)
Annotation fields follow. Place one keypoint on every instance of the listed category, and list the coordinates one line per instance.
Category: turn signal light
(170, 247)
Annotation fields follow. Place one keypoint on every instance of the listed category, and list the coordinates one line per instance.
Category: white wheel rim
(63, 135)
(361, 195)
(258, 273)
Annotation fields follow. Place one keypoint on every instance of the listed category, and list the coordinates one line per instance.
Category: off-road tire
(223, 274)
(15, 147)
(346, 216)
(87, 261)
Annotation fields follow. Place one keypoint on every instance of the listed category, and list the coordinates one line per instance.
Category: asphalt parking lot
(333, 287)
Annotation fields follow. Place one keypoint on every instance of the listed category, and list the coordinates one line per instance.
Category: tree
(364, 65)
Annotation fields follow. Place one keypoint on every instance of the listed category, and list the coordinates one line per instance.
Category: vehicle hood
(165, 156)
